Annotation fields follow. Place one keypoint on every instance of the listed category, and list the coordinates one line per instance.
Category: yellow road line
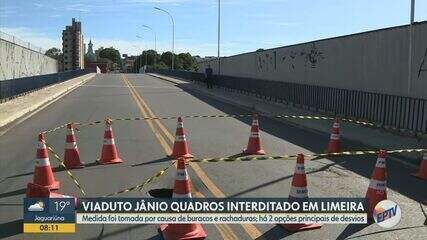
(160, 124)
(253, 232)
(224, 230)
(159, 137)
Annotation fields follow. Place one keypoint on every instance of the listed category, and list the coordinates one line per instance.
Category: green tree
(187, 61)
(160, 65)
(97, 51)
(54, 53)
(138, 63)
(112, 54)
(178, 64)
(166, 58)
(151, 57)
(182, 61)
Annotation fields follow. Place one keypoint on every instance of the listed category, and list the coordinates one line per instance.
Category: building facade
(128, 62)
(90, 55)
(73, 46)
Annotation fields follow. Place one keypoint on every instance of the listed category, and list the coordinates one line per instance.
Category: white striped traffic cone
(334, 144)
(422, 171)
(71, 153)
(109, 154)
(254, 143)
(377, 190)
(43, 174)
(299, 192)
(182, 189)
(180, 147)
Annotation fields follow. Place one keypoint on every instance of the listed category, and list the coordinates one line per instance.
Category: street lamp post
(219, 37)
(155, 41)
(173, 34)
(139, 62)
(143, 52)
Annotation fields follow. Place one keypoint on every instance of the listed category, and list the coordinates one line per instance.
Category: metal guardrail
(388, 110)
(18, 86)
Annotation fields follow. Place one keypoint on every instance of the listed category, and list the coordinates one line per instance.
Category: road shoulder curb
(24, 114)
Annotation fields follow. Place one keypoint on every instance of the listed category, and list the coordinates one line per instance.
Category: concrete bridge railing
(14, 87)
(399, 112)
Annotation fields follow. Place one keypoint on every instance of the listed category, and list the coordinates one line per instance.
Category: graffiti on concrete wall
(18, 61)
(290, 59)
(311, 57)
(266, 61)
(423, 65)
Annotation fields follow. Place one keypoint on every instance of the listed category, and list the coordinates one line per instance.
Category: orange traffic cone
(422, 172)
(43, 174)
(37, 191)
(299, 192)
(109, 154)
(71, 154)
(254, 143)
(182, 189)
(180, 147)
(334, 145)
(377, 190)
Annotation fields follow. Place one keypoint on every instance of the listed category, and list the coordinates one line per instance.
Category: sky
(245, 25)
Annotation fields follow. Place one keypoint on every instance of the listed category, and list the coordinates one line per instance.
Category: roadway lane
(342, 177)
(143, 145)
(106, 95)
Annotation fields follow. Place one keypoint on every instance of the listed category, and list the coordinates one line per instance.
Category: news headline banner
(221, 211)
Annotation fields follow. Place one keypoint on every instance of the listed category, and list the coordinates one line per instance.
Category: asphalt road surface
(143, 146)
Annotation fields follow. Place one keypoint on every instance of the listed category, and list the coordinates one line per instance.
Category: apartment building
(73, 47)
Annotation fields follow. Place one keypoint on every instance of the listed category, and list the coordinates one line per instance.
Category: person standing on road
(208, 76)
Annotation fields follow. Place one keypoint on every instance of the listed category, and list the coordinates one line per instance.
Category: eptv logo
(387, 214)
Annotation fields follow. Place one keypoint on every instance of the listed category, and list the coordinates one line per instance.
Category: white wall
(17, 61)
(375, 61)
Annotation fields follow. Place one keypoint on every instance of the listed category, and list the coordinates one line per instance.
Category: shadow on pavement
(352, 229)
(113, 233)
(161, 193)
(13, 193)
(92, 164)
(10, 228)
(277, 232)
(384, 231)
(237, 155)
(18, 175)
(55, 169)
(161, 160)
(279, 180)
(11, 204)
(399, 178)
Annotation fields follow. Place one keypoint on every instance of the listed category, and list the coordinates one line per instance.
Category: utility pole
(155, 42)
(410, 47)
(139, 59)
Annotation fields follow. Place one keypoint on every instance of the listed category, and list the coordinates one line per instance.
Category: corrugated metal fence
(388, 110)
(18, 86)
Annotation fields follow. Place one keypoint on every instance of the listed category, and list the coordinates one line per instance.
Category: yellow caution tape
(244, 159)
(66, 169)
(308, 117)
(142, 185)
(55, 129)
(315, 155)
